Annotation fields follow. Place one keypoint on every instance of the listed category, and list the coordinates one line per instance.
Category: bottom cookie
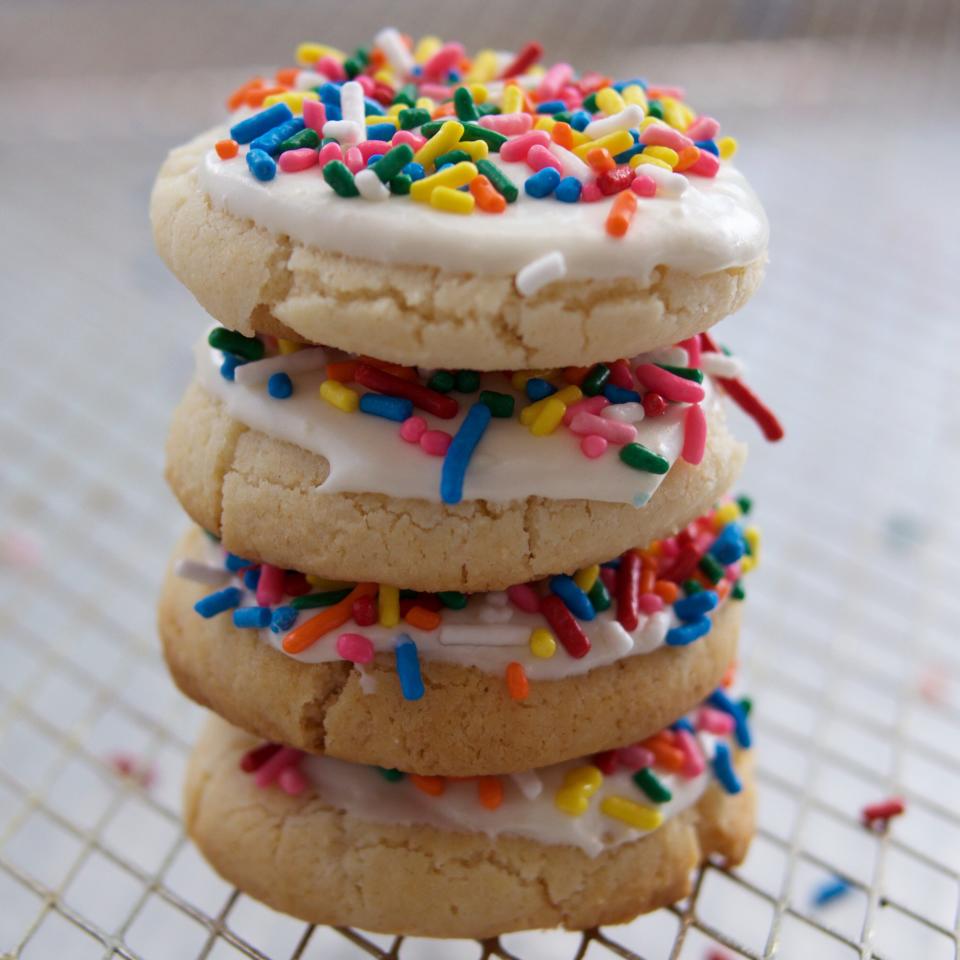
(338, 844)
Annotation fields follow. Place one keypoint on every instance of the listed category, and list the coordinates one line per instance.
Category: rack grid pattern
(850, 639)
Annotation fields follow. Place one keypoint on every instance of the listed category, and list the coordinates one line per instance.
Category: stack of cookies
(466, 577)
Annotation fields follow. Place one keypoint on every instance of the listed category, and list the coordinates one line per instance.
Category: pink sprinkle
(714, 721)
(437, 91)
(409, 137)
(620, 376)
(435, 442)
(571, 97)
(649, 603)
(270, 585)
(635, 757)
(353, 158)
(524, 597)
(328, 152)
(355, 647)
(314, 115)
(692, 346)
(613, 430)
(292, 781)
(293, 161)
(539, 157)
(660, 135)
(733, 571)
(644, 186)
(370, 148)
(707, 165)
(593, 446)
(515, 151)
(656, 91)
(694, 434)
(669, 548)
(413, 428)
(587, 405)
(268, 773)
(554, 80)
(693, 763)
(332, 68)
(669, 385)
(609, 577)
(590, 192)
(509, 124)
(367, 84)
(447, 58)
(703, 128)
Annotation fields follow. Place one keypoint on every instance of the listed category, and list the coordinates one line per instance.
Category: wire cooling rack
(851, 637)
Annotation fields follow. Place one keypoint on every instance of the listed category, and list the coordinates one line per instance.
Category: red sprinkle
(568, 631)
(653, 404)
(607, 762)
(422, 397)
(254, 759)
(613, 181)
(526, 57)
(628, 590)
(364, 611)
(885, 810)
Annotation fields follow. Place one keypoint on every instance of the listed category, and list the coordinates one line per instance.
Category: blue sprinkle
(576, 601)
(683, 724)
(542, 183)
(380, 131)
(261, 164)
(829, 890)
(414, 170)
(617, 394)
(708, 145)
(280, 386)
(625, 156)
(551, 106)
(568, 190)
(283, 619)
(251, 578)
(373, 158)
(329, 94)
(538, 388)
(270, 141)
(252, 617)
(730, 545)
(722, 764)
(622, 85)
(453, 77)
(579, 120)
(260, 123)
(688, 632)
(721, 701)
(390, 408)
(229, 365)
(234, 563)
(372, 109)
(334, 112)
(215, 603)
(460, 451)
(408, 668)
(696, 605)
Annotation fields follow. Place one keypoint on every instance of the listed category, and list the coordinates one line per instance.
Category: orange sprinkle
(239, 96)
(621, 213)
(648, 576)
(257, 95)
(287, 77)
(443, 110)
(307, 634)
(688, 156)
(575, 375)
(600, 160)
(432, 786)
(377, 59)
(422, 618)
(729, 675)
(562, 134)
(722, 588)
(518, 686)
(398, 370)
(227, 149)
(343, 370)
(488, 199)
(666, 591)
(666, 755)
(490, 792)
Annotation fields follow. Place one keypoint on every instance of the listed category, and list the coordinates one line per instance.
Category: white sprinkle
(200, 572)
(673, 356)
(399, 57)
(630, 116)
(528, 783)
(302, 361)
(371, 187)
(309, 80)
(572, 165)
(536, 275)
(352, 107)
(669, 184)
(720, 365)
(368, 681)
(624, 412)
(344, 132)
(488, 613)
(497, 598)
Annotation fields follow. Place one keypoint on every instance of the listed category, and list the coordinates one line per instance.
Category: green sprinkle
(305, 138)
(501, 182)
(654, 109)
(488, 109)
(564, 116)
(590, 103)
(712, 568)
(690, 587)
(688, 373)
(463, 104)
(745, 504)
(311, 601)
(415, 117)
(596, 379)
(250, 348)
(362, 54)
(352, 67)
(636, 455)
(738, 593)
(746, 705)
(340, 179)
(442, 381)
(468, 381)
(473, 131)
(452, 599)
(407, 94)
(392, 162)
(651, 785)
(389, 774)
(400, 185)
(500, 404)
(453, 156)
(599, 596)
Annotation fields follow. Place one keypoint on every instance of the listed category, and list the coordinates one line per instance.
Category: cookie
(266, 498)
(565, 256)
(421, 857)
(352, 698)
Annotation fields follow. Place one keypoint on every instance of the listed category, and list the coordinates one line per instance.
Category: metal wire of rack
(850, 628)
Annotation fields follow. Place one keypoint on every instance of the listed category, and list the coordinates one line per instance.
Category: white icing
(367, 454)
(525, 812)
(712, 225)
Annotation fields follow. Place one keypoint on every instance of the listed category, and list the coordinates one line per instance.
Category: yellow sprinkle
(484, 67)
(426, 47)
(479, 92)
(394, 109)
(458, 175)
(322, 583)
(292, 98)
(609, 101)
(477, 149)
(668, 156)
(632, 814)
(571, 801)
(688, 115)
(747, 564)
(641, 158)
(374, 119)
(384, 75)
(442, 141)
(537, 70)
(425, 103)
(615, 142)
(452, 201)
(512, 101)
(289, 346)
(648, 122)
(752, 535)
(388, 605)
(545, 123)
(587, 577)
(672, 113)
(725, 513)
(566, 396)
(548, 419)
(634, 96)
(542, 643)
(578, 137)
(587, 778)
(727, 147)
(310, 53)
(340, 396)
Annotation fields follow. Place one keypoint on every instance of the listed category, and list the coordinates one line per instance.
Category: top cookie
(602, 218)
